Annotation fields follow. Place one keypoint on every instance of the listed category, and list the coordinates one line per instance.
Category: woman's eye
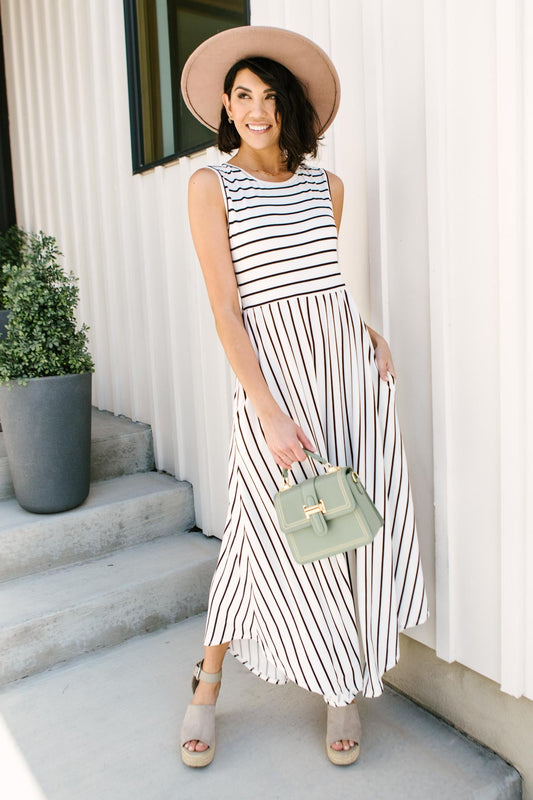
(242, 95)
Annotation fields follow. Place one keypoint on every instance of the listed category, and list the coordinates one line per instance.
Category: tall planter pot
(47, 431)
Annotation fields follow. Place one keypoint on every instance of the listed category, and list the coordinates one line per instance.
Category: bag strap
(309, 453)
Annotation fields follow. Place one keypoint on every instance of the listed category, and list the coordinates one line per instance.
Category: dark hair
(299, 121)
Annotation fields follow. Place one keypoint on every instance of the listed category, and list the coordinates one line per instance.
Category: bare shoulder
(205, 181)
(335, 183)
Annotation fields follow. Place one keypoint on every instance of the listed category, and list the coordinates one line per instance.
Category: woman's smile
(258, 128)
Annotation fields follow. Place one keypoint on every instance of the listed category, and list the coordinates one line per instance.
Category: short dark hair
(300, 125)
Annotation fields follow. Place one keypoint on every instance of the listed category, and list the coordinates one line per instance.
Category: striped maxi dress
(330, 626)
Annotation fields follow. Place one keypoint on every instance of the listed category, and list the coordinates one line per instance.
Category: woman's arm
(336, 190)
(207, 217)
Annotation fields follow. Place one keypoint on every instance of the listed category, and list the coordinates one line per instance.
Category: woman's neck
(270, 164)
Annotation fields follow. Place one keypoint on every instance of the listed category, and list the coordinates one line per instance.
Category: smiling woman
(160, 35)
(310, 376)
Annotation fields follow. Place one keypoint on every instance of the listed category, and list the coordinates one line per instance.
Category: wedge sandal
(199, 723)
(343, 723)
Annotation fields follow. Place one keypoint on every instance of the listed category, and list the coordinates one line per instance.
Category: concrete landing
(105, 727)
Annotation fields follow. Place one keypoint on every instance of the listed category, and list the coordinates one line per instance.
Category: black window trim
(134, 97)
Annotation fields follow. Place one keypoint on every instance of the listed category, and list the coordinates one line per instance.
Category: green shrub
(42, 336)
(12, 245)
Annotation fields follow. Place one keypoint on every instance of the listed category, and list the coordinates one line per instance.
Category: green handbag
(327, 514)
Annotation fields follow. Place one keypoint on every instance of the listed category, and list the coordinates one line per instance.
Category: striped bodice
(282, 236)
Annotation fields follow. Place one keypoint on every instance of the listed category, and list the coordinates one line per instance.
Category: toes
(194, 744)
(345, 744)
(348, 744)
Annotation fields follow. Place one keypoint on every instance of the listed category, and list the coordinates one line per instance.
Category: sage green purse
(327, 514)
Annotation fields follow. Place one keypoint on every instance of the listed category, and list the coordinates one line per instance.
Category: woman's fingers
(286, 440)
(287, 459)
(305, 441)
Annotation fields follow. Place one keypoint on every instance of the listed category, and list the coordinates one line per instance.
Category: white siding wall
(432, 143)
(479, 96)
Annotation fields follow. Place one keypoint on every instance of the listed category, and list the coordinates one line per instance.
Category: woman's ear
(225, 100)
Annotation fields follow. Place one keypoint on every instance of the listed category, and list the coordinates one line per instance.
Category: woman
(310, 374)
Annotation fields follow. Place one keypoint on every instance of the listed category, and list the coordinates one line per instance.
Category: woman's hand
(285, 439)
(382, 354)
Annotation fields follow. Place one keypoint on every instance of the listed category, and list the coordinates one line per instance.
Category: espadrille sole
(197, 759)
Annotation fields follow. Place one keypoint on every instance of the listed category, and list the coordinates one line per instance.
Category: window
(160, 36)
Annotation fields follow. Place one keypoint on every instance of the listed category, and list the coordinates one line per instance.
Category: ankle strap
(208, 677)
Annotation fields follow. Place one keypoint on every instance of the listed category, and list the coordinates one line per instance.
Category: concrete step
(56, 615)
(118, 513)
(106, 726)
(118, 447)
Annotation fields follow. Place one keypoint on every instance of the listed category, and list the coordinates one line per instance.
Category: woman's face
(252, 106)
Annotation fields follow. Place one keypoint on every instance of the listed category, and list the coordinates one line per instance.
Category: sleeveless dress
(330, 626)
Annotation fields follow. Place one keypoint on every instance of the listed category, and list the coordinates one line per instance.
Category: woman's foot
(343, 734)
(198, 728)
(206, 694)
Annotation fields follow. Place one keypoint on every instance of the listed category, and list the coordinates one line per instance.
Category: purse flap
(330, 491)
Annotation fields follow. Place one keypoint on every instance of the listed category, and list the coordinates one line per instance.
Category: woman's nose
(258, 105)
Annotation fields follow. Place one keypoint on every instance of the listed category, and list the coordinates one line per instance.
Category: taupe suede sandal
(199, 723)
(343, 723)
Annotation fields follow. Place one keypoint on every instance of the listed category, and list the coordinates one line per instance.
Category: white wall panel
(527, 366)
(513, 351)
(478, 187)
(435, 39)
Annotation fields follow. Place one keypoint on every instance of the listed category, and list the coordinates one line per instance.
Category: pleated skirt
(330, 626)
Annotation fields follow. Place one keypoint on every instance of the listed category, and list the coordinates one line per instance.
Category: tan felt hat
(202, 79)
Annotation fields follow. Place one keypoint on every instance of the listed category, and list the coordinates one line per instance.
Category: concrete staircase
(123, 563)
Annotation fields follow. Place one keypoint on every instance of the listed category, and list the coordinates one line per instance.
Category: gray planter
(47, 431)
(4, 315)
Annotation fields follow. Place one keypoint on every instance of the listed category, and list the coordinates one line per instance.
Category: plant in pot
(12, 245)
(45, 381)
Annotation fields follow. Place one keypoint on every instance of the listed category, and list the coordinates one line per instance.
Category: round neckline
(259, 180)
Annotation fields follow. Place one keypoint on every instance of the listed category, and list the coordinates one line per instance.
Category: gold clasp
(286, 484)
(318, 509)
(331, 467)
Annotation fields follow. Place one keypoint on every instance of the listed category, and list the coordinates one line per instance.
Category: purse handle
(309, 453)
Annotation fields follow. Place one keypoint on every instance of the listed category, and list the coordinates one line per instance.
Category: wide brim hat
(202, 79)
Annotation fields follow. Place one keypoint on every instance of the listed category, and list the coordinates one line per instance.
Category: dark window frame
(135, 102)
(8, 216)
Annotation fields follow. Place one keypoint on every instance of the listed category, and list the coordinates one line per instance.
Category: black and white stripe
(330, 626)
